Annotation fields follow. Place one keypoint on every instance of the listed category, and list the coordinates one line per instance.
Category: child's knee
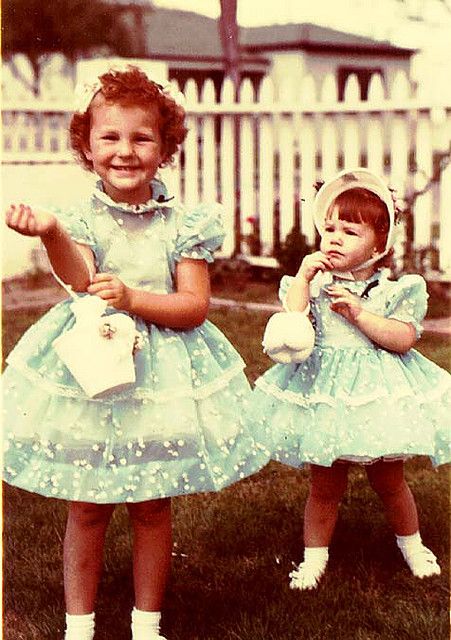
(328, 492)
(389, 487)
(88, 514)
(150, 513)
(328, 484)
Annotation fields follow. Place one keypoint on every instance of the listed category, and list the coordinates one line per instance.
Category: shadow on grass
(232, 557)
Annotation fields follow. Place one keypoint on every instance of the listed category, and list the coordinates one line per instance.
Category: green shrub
(291, 252)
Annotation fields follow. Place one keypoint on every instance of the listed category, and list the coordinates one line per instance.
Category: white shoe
(307, 575)
(422, 562)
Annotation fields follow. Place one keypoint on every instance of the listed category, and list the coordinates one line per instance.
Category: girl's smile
(125, 148)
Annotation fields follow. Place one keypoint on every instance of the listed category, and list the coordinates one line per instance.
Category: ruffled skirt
(180, 429)
(355, 404)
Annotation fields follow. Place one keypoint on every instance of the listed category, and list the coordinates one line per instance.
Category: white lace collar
(159, 200)
(324, 279)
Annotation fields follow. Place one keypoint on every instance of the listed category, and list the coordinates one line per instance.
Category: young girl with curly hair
(179, 428)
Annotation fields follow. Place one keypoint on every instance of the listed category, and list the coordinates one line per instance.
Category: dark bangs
(362, 206)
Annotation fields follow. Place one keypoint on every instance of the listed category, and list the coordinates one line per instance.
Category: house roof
(178, 35)
(182, 33)
(188, 36)
(311, 37)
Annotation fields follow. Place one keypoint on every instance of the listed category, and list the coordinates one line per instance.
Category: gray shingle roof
(180, 34)
(310, 36)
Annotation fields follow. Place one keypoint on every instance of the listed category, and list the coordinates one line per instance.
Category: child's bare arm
(298, 294)
(184, 309)
(69, 259)
(388, 333)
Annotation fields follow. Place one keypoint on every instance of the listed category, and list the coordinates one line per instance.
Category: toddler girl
(363, 395)
(179, 428)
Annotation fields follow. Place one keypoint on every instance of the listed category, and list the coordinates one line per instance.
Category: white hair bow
(85, 90)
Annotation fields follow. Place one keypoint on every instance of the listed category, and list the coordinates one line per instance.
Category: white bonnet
(350, 179)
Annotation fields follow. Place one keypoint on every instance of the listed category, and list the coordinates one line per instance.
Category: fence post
(208, 155)
(307, 143)
(175, 169)
(286, 162)
(375, 128)
(227, 167)
(351, 137)
(191, 183)
(399, 134)
(247, 162)
(423, 173)
(266, 169)
(329, 138)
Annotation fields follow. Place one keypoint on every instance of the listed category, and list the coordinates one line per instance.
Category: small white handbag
(99, 349)
(289, 337)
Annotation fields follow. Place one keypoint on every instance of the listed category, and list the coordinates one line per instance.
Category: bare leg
(83, 554)
(152, 548)
(387, 479)
(327, 486)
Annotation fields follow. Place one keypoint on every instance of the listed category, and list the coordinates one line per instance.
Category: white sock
(309, 572)
(79, 627)
(145, 625)
(422, 562)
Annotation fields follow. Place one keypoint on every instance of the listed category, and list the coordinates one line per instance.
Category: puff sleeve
(408, 301)
(200, 233)
(284, 285)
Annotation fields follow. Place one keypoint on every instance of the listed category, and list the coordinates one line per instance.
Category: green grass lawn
(233, 551)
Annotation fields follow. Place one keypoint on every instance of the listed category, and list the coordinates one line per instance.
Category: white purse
(289, 337)
(99, 349)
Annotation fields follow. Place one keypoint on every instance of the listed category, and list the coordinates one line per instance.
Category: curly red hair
(132, 88)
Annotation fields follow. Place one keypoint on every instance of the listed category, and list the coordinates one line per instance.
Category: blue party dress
(351, 399)
(179, 429)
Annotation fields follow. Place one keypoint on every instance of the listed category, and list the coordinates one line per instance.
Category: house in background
(188, 45)
(191, 47)
(300, 49)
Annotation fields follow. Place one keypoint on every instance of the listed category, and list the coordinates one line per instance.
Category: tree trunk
(228, 28)
(36, 67)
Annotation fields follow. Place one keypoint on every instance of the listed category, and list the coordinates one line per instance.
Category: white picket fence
(261, 155)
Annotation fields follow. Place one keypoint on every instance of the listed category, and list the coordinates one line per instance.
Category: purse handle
(68, 287)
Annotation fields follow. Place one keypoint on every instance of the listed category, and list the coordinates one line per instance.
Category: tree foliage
(74, 28)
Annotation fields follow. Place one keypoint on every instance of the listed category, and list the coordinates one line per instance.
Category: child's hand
(108, 287)
(344, 302)
(29, 222)
(313, 263)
